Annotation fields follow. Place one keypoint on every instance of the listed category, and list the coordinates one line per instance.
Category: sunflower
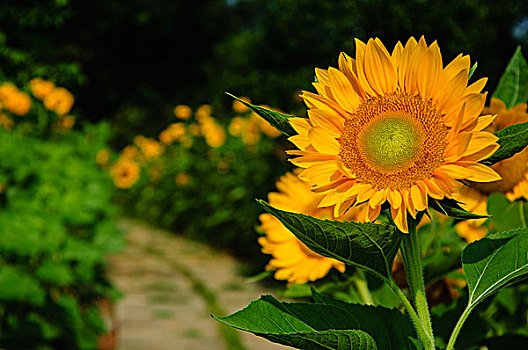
(292, 260)
(396, 128)
(182, 112)
(125, 173)
(514, 173)
(59, 100)
(41, 88)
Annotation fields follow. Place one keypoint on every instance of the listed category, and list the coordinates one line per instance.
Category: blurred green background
(132, 61)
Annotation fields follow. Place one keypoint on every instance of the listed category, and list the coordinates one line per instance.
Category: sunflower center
(394, 140)
(391, 141)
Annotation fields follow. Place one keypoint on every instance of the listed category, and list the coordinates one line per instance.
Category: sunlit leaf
(365, 245)
(512, 140)
(330, 324)
(495, 261)
(513, 85)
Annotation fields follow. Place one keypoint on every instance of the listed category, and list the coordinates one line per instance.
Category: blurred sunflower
(125, 173)
(59, 100)
(41, 88)
(292, 260)
(514, 173)
(17, 103)
(394, 127)
(182, 112)
(103, 157)
(14, 100)
(64, 123)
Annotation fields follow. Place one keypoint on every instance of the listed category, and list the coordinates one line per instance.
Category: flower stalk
(413, 267)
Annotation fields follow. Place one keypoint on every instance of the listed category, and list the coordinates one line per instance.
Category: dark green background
(132, 61)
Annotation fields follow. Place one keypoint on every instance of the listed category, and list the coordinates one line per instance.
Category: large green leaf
(328, 325)
(512, 140)
(277, 119)
(390, 328)
(493, 262)
(365, 245)
(451, 208)
(507, 215)
(513, 85)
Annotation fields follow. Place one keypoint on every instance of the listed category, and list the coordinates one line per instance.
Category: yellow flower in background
(194, 129)
(14, 100)
(130, 152)
(17, 103)
(251, 132)
(138, 140)
(6, 122)
(182, 112)
(155, 174)
(150, 148)
(215, 135)
(41, 88)
(203, 113)
(239, 107)
(396, 127)
(64, 123)
(125, 173)
(6, 90)
(514, 173)
(103, 157)
(165, 137)
(59, 100)
(292, 260)
(236, 126)
(182, 179)
(177, 131)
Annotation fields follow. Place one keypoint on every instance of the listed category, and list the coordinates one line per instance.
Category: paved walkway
(171, 286)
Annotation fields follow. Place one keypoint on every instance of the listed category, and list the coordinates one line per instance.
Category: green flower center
(391, 141)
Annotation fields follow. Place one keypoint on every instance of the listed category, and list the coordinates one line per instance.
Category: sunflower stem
(424, 337)
(458, 327)
(413, 267)
(360, 283)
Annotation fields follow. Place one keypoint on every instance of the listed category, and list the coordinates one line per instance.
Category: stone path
(171, 286)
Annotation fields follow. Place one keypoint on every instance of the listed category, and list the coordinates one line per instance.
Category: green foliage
(57, 224)
(365, 245)
(507, 215)
(512, 140)
(327, 323)
(451, 208)
(513, 85)
(493, 262)
(277, 119)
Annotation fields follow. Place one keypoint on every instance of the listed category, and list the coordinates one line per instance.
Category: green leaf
(513, 85)
(390, 328)
(450, 207)
(328, 325)
(507, 215)
(58, 274)
(17, 285)
(365, 245)
(512, 140)
(472, 70)
(493, 262)
(277, 119)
